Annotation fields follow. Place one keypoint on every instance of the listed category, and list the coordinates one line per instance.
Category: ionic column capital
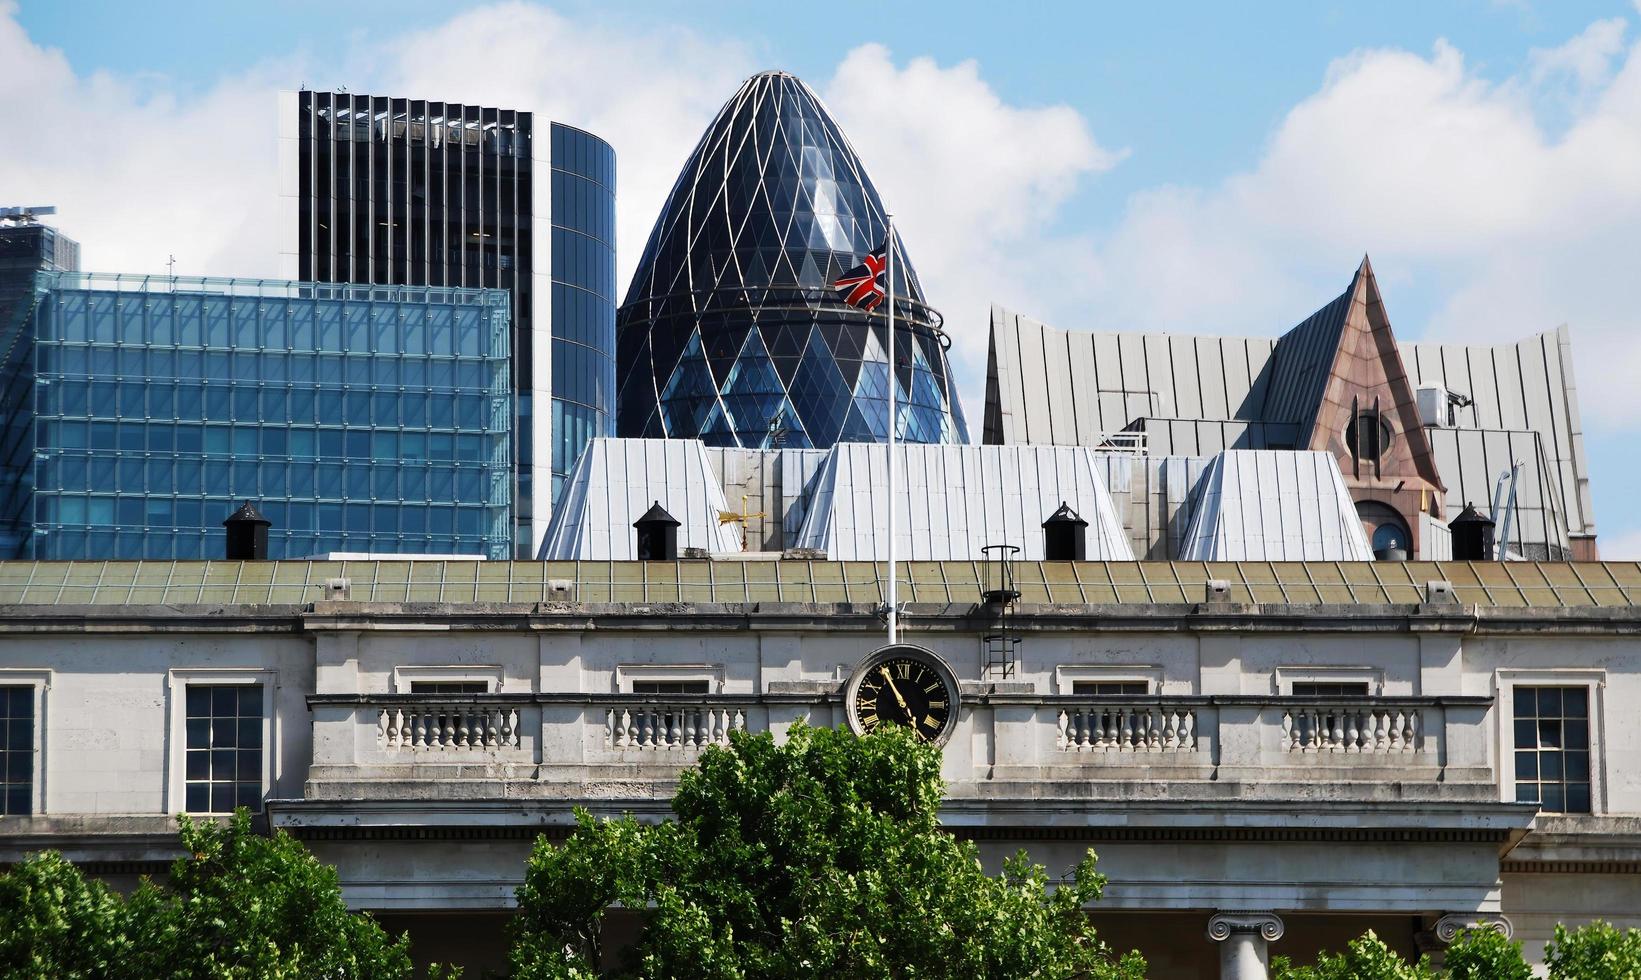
(1267, 925)
(1448, 927)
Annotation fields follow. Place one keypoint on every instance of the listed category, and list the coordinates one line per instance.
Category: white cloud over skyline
(1510, 205)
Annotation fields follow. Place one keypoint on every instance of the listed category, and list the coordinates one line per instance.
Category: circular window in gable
(1369, 436)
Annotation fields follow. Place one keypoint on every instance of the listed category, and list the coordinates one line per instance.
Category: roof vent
(1472, 535)
(561, 590)
(1065, 535)
(247, 534)
(337, 589)
(1219, 590)
(657, 534)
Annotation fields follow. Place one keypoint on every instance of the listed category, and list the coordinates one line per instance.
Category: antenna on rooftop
(28, 215)
(171, 266)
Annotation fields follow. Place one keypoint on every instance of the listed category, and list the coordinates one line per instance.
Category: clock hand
(896, 692)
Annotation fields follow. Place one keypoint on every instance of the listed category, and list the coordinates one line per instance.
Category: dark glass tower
(731, 332)
(413, 192)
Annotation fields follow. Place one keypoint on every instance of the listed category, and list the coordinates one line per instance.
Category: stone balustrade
(1117, 725)
(667, 725)
(447, 725)
(1352, 726)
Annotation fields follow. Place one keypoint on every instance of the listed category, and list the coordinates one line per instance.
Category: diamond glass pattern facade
(358, 418)
(731, 332)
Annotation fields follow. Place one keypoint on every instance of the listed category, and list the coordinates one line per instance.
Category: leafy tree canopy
(820, 857)
(240, 905)
(1597, 951)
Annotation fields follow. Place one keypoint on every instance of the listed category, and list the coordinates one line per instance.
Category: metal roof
(1264, 505)
(1512, 584)
(951, 501)
(617, 480)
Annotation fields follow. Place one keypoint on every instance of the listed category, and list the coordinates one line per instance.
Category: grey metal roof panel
(1258, 505)
(615, 482)
(951, 501)
(1302, 363)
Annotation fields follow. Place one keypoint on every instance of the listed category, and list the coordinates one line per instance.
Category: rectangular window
(16, 750)
(1330, 689)
(449, 687)
(1552, 741)
(1110, 687)
(223, 768)
(669, 687)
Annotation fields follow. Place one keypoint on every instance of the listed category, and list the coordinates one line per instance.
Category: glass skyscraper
(731, 332)
(356, 418)
(409, 191)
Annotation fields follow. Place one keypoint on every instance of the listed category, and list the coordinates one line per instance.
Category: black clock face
(903, 690)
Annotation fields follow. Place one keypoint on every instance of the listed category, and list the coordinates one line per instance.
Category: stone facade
(1291, 774)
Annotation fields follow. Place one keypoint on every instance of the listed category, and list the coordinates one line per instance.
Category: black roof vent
(1472, 535)
(657, 534)
(247, 534)
(1065, 535)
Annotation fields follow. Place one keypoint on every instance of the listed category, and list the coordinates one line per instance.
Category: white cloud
(975, 182)
(1443, 177)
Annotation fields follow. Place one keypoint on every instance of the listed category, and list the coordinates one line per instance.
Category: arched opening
(1386, 530)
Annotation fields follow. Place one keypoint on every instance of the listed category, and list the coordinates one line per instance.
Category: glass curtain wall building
(402, 191)
(356, 418)
(731, 331)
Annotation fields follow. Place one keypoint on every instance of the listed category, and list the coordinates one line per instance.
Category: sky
(1201, 168)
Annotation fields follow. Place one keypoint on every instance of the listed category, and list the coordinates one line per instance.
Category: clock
(903, 685)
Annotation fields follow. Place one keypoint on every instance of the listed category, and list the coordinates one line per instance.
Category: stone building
(1269, 757)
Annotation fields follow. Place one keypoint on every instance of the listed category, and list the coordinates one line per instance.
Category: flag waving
(862, 286)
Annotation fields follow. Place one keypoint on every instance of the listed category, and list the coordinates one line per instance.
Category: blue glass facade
(583, 283)
(357, 418)
(731, 331)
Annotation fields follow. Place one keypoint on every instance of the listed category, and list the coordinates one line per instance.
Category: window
(1330, 689)
(223, 767)
(1552, 740)
(449, 687)
(16, 750)
(1369, 436)
(670, 687)
(1110, 687)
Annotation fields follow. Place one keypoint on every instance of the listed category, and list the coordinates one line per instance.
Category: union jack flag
(862, 286)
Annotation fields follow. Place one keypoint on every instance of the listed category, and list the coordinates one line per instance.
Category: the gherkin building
(731, 331)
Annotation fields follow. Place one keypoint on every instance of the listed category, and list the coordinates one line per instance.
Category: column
(1244, 939)
(1435, 940)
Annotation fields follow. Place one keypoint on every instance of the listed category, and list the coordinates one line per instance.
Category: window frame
(40, 681)
(1285, 677)
(178, 680)
(1505, 681)
(1066, 676)
(625, 674)
(492, 675)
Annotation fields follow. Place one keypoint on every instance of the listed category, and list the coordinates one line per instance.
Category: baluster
(1153, 728)
(1188, 730)
(1127, 729)
(1168, 728)
(671, 720)
(692, 726)
(1411, 730)
(464, 733)
(740, 720)
(382, 736)
(1290, 735)
(420, 738)
(435, 730)
(1087, 726)
(1380, 730)
(510, 727)
(632, 726)
(1336, 731)
(1062, 729)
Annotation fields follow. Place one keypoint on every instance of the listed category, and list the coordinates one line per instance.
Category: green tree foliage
(54, 922)
(1366, 958)
(1597, 951)
(1484, 954)
(239, 906)
(822, 857)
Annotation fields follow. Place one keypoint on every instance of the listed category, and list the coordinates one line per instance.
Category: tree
(822, 857)
(238, 906)
(54, 922)
(1365, 958)
(1597, 951)
(1484, 954)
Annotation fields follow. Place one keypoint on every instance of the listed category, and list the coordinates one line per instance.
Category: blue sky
(1199, 167)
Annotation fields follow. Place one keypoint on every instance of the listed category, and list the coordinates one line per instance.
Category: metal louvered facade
(398, 191)
(731, 332)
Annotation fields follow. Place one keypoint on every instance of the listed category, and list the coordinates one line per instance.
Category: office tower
(731, 331)
(356, 419)
(408, 191)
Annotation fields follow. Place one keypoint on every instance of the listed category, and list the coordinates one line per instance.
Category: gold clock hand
(896, 692)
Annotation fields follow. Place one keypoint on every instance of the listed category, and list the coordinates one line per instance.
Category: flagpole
(894, 610)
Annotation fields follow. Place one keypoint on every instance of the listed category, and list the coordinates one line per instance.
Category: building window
(449, 687)
(1110, 687)
(16, 750)
(1369, 436)
(1553, 748)
(669, 687)
(1330, 689)
(223, 768)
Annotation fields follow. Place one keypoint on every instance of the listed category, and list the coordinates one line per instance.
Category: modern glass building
(731, 332)
(414, 192)
(375, 419)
